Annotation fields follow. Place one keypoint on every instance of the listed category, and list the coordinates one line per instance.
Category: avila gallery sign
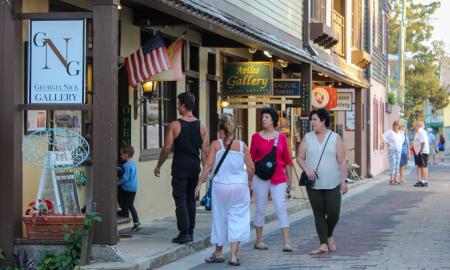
(248, 79)
(56, 61)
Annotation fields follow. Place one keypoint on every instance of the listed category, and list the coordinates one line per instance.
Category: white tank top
(329, 172)
(233, 169)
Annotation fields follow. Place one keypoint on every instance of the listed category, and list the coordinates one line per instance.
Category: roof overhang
(214, 20)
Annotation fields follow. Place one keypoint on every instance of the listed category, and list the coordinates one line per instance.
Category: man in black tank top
(186, 137)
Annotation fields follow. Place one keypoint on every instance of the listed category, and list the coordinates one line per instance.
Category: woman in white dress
(230, 191)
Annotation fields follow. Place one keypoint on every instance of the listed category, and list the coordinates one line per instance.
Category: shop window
(192, 86)
(376, 145)
(378, 123)
(277, 73)
(194, 58)
(211, 63)
(156, 115)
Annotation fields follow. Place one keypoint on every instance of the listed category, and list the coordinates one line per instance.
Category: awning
(219, 22)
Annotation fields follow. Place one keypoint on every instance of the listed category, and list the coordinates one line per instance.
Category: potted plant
(42, 223)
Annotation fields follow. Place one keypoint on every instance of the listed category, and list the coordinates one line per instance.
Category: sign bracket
(54, 15)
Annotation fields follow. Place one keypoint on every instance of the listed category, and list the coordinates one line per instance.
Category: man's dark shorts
(421, 160)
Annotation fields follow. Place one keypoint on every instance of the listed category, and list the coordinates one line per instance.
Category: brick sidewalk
(386, 227)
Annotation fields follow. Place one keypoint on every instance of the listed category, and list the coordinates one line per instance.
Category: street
(384, 227)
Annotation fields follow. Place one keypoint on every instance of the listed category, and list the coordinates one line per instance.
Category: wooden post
(11, 89)
(105, 49)
(87, 237)
(361, 129)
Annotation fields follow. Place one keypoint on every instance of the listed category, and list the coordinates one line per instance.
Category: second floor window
(318, 8)
(357, 24)
(385, 33)
(376, 24)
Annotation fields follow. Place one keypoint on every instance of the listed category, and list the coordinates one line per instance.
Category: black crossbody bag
(304, 179)
(265, 167)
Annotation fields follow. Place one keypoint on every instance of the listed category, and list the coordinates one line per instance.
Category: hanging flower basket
(51, 227)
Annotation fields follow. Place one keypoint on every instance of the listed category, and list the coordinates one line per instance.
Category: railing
(339, 27)
(434, 119)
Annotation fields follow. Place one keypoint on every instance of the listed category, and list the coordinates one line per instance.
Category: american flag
(147, 61)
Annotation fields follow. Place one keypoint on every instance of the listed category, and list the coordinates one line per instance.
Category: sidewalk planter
(51, 227)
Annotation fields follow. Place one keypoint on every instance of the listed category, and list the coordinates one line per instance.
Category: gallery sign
(286, 88)
(324, 97)
(57, 61)
(247, 79)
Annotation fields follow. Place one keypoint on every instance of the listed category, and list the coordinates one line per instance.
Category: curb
(173, 254)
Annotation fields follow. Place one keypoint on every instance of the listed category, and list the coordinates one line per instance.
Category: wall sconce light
(142, 93)
(119, 7)
(252, 50)
(225, 104)
(268, 54)
(283, 63)
(148, 88)
(320, 74)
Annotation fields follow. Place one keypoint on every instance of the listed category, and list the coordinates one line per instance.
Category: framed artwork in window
(35, 120)
(350, 119)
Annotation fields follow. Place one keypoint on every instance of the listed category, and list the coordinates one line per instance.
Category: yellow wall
(447, 116)
(154, 197)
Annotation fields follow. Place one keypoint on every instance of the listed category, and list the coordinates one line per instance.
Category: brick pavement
(386, 227)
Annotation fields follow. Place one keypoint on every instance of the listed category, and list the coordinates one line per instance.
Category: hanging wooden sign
(247, 79)
(57, 61)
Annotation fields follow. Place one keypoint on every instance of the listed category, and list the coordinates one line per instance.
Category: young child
(127, 186)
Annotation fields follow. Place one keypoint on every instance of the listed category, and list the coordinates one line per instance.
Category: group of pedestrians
(424, 145)
(265, 168)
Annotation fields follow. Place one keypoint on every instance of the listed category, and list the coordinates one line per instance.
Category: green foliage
(418, 26)
(392, 98)
(71, 257)
(421, 82)
(2, 255)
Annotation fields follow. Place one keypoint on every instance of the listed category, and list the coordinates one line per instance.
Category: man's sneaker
(418, 184)
(182, 239)
(136, 227)
(424, 184)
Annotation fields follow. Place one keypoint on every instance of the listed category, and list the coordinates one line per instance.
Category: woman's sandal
(318, 251)
(287, 247)
(214, 259)
(236, 263)
(331, 247)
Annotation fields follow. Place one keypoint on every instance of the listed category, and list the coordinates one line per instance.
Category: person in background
(441, 147)
(127, 186)
(187, 136)
(325, 196)
(421, 150)
(230, 191)
(394, 138)
(280, 182)
(432, 141)
(404, 154)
